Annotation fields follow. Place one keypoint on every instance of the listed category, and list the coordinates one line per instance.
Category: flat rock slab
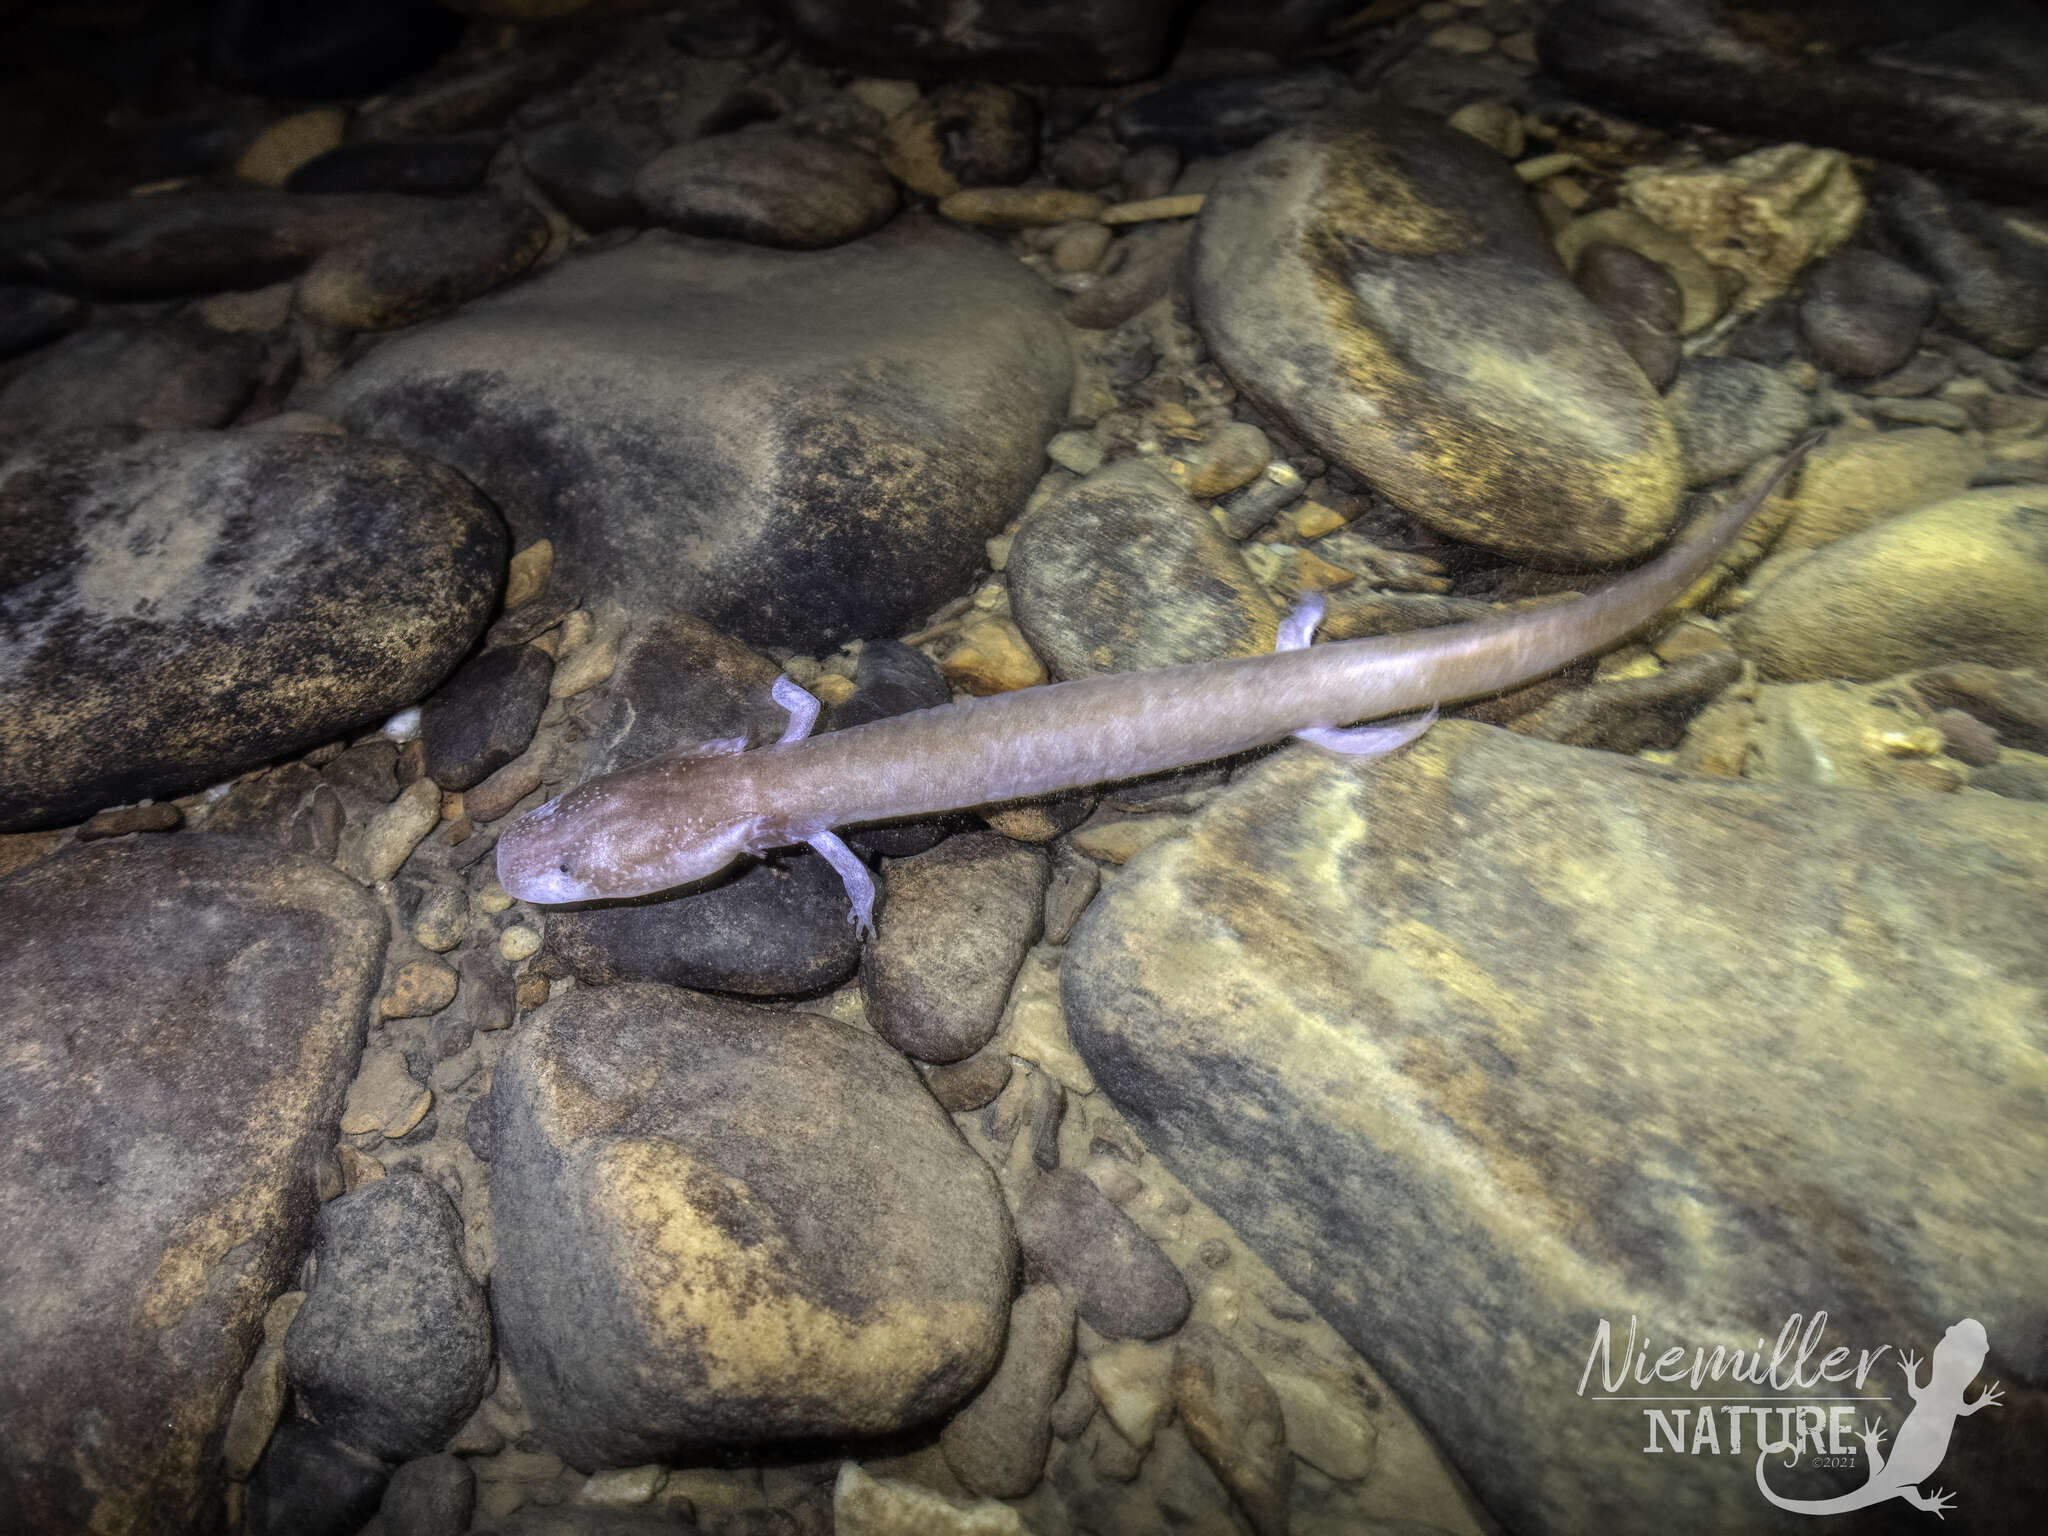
(719, 1223)
(179, 606)
(180, 1017)
(1378, 280)
(728, 431)
(1493, 1039)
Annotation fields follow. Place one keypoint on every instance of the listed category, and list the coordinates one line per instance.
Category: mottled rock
(198, 242)
(2015, 704)
(997, 1444)
(1125, 570)
(174, 374)
(949, 938)
(965, 135)
(869, 1506)
(1847, 736)
(1053, 42)
(1863, 312)
(1731, 414)
(1227, 112)
(1633, 714)
(1386, 1072)
(769, 188)
(1853, 480)
(587, 172)
(431, 1496)
(184, 605)
(1875, 80)
(1233, 1417)
(215, 991)
(770, 1229)
(879, 406)
(448, 252)
(1993, 278)
(1961, 580)
(441, 167)
(1641, 300)
(1119, 1280)
(1356, 275)
(311, 1484)
(393, 1346)
(483, 716)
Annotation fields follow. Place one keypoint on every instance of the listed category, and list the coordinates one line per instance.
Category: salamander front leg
(860, 885)
(1296, 631)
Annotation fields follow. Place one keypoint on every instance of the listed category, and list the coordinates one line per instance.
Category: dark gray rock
(775, 927)
(1863, 312)
(448, 251)
(1731, 414)
(962, 135)
(768, 188)
(289, 806)
(732, 30)
(997, 1444)
(432, 1496)
(392, 1348)
(1994, 282)
(215, 990)
(1054, 42)
(420, 167)
(1431, 1151)
(953, 930)
(311, 1484)
(1119, 1280)
(1634, 714)
(1641, 301)
(182, 606)
(588, 1520)
(587, 172)
(483, 716)
(1227, 112)
(1952, 88)
(167, 375)
(326, 47)
(717, 1223)
(199, 242)
(882, 406)
(30, 317)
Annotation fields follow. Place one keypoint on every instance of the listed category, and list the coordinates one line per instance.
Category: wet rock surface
(762, 1283)
(895, 423)
(184, 605)
(1315, 1134)
(191, 1007)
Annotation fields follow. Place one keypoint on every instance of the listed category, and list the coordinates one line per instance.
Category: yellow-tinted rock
(1020, 207)
(1766, 216)
(1377, 279)
(774, 1230)
(1853, 480)
(1488, 1040)
(1960, 580)
(289, 143)
(992, 657)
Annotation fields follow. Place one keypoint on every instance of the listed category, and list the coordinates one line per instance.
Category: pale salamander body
(677, 819)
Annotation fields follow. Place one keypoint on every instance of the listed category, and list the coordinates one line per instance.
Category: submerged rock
(718, 1223)
(1379, 281)
(181, 606)
(181, 1017)
(1490, 1040)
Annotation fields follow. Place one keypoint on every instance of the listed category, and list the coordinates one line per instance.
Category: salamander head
(624, 835)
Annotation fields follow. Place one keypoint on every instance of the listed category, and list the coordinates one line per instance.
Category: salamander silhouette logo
(1923, 1438)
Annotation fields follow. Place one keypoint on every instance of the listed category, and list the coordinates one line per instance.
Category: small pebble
(517, 944)
(421, 988)
(1151, 209)
(1020, 207)
(528, 572)
(584, 667)
(396, 831)
(161, 817)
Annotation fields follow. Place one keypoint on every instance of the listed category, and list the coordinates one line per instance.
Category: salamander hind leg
(1369, 740)
(1297, 629)
(860, 885)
